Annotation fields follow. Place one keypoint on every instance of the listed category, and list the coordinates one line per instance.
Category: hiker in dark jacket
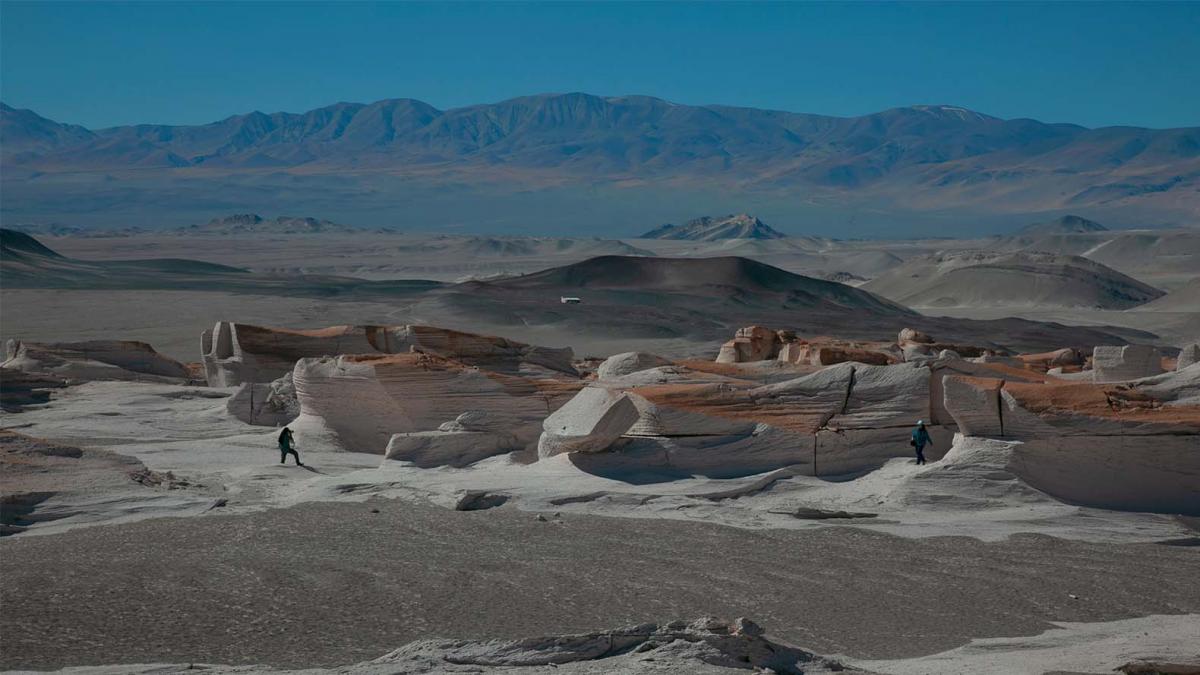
(920, 438)
(287, 446)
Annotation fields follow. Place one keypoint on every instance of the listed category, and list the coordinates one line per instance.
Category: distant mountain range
(914, 159)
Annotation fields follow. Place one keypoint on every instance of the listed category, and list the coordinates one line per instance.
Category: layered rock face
(235, 353)
(1130, 446)
(94, 360)
(363, 400)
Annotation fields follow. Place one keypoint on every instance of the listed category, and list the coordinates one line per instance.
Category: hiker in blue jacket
(920, 438)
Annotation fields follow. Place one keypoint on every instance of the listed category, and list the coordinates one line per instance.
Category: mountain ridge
(916, 158)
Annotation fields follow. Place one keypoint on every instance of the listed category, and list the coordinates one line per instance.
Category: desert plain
(686, 452)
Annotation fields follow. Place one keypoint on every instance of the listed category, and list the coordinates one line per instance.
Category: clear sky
(101, 64)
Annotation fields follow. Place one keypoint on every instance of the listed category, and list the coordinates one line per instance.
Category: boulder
(590, 422)
(912, 335)
(1121, 364)
(456, 448)
(94, 360)
(626, 363)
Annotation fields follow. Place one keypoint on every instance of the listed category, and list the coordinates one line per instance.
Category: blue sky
(101, 64)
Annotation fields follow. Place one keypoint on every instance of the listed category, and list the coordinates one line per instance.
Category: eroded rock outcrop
(755, 343)
(704, 645)
(235, 353)
(839, 420)
(94, 360)
(363, 400)
(1130, 446)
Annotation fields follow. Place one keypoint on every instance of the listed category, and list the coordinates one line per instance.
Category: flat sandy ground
(326, 584)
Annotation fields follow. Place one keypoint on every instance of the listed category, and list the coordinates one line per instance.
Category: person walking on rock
(287, 446)
(920, 438)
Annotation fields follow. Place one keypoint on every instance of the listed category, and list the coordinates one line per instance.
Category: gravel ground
(327, 584)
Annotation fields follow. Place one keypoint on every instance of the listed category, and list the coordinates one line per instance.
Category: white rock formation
(448, 448)
(591, 421)
(1189, 355)
(271, 404)
(94, 360)
(842, 419)
(626, 363)
(1131, 447)
(362, 401)
(1121, 364)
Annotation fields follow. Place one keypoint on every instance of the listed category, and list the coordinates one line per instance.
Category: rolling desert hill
(727, 277)
(1165, 258)
(1186, 298)
(27, 263)
(690, 303)
(401, 158)
(709, 228)
(986, 279)
(700, 300)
